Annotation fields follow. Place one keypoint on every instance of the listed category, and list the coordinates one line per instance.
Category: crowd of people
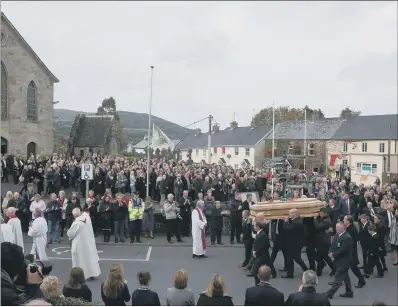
(196, 200)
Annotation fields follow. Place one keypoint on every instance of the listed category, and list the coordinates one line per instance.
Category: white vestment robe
(198, 229)
(38, 231)
(6, 234)
(15, 224)
(86, 217)
(84, 254)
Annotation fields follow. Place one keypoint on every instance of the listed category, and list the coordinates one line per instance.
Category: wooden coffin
(277, 209)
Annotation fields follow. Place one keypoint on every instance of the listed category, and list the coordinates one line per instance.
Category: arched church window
(32, 102)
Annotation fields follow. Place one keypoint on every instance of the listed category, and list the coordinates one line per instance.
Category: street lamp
(149, 134)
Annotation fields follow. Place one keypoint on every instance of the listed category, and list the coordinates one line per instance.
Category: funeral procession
(215, 154)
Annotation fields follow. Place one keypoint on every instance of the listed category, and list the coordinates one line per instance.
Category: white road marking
(54, 250)
(101, 259)
(148, 254)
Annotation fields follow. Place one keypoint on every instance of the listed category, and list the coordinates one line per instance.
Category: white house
(239, 147)
(362, 144)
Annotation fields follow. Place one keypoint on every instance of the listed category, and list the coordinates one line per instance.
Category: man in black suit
(295, 233)
(277, 237)
(374, 250)
(364, 237)
(353, 232)
(263, 294)
(341, 253)
(248, 202)
(307, 295)
(247, 237)
(185, 212)
(261, 250)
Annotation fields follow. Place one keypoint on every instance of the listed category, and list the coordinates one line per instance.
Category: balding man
(15, 225)
(263, 294)
(18, 203)
(295, 235)
(38, 231)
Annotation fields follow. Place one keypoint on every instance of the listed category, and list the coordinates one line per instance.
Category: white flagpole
(149, 135)
(305, 140)
(273, 147)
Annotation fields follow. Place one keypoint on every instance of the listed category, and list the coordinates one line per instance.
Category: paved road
(163, 260)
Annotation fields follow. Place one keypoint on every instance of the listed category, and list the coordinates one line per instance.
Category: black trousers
(323, 256)
(355, 270)
(364, 255)
(236, 228)
(258, 263)
(172, 229)
(312, 254)
(135, 229)
(294, 255)
(340, 277)
(374, 260)
(248, 253)
(279, 246)
(216, 234)
(106, 229)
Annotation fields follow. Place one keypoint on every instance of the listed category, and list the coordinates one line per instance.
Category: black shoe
(366, 275)
(116, 240)
(213, 243)
(231, 242)
(330, 283)
(203, 256)
(139, 241)
(282, 270)
(220, 243)
(122, 240)
(249, 275)
(170, 242)
(332, 273)
(385, 270)
(328, 296)
(360, 285)
(287, 276)
(361, 267)
(380, 276)
(131, 241)
(180, 241)
(319, 273)
(348, 295)
(195, 256)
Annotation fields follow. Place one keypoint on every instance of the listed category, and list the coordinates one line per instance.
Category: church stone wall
(21, 69)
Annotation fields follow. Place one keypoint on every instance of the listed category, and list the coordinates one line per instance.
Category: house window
(204, 152)
(381, 147)
(315, 170)
(311, 149)
(345, 162)
(247, 152)
(366, 168)
(364, 147)
(223, 150)
(358, 167)
(236, 151)
(345, 147)
(374, 168)
(297, 150)
(197, 151)
(4, 92)
(31, 102)
(236, 166)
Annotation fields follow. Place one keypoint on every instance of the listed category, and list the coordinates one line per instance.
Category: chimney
(234, 124)
(216, 128)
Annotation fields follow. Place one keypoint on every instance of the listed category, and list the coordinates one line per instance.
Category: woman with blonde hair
(76, 286)
(179, 295)
(114, 290)
(4, 205)
(215, 294)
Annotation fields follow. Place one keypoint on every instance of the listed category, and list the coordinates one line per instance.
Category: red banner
(333, 159)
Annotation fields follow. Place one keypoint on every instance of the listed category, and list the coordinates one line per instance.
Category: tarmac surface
(163, 259)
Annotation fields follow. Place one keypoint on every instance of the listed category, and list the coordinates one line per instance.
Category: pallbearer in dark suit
(341, 253)
(216, 224)
(277, 237)
(375, 248)
(295, 234)
(247, 237)
(353, 232)
(261, 251)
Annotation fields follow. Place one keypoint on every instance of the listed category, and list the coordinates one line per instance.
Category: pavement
(163, 259)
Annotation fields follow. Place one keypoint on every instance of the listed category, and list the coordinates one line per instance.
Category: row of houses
(360, 144)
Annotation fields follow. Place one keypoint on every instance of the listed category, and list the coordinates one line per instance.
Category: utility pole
(209, 141)
(305, 141)
(389, 156)
(149, 135)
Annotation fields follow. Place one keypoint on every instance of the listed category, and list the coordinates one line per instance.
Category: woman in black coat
(381, 231)
(143, 296)
(76, 287)
(114, 290)
(215, 294)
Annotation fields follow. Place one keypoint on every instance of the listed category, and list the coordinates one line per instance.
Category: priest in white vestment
(38, 231)
(84, 251)
(15, 224)
(198, 231)
(6, 232)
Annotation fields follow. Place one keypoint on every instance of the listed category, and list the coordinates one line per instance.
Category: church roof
(93, 130)
(26, 45)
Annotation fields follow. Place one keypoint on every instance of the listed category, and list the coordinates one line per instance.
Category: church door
(31, 149)
(4, 146)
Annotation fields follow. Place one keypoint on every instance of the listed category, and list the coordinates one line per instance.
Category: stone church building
(95, 134)
(27, 97)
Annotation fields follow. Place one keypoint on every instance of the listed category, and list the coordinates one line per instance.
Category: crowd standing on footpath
(190, 196)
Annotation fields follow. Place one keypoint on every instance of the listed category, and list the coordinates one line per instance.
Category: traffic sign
(87, 172)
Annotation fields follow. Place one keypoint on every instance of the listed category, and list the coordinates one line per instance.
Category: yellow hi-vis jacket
(137, 212)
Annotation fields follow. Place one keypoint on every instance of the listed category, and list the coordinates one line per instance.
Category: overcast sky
(216, 58)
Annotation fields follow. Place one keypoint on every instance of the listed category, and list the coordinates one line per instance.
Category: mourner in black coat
(322, 224)
(374, 250)
(307, 297)
(353, 232)
(247, 237)
(364, 237)
(295, 235)
(260, 251)
(278, 240)
(263, 294)
(341, 253)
